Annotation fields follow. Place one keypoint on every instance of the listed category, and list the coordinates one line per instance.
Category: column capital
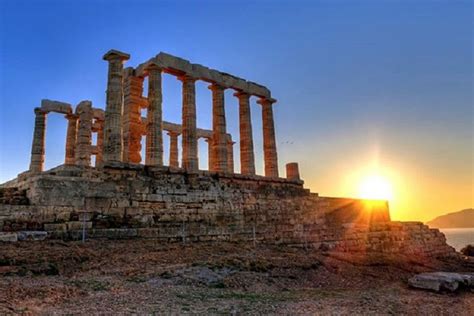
(266, 101)
(153, 67)
(115, 55)
(173, 133)
(216, 87)
(242, 94)
(186, 78)
(40, 111)
(71, 116)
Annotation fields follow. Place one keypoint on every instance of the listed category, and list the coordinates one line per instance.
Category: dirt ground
(145, 277)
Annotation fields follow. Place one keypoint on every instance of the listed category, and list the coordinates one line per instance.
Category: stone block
(78, 225)
(8, 237)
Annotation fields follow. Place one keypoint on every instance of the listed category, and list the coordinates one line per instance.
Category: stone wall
(169, 204)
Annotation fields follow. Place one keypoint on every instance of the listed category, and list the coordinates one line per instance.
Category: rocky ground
(145, 277)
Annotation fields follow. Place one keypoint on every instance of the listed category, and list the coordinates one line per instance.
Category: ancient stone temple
(125, 195)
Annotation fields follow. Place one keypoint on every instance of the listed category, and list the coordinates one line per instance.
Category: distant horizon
(364, 89)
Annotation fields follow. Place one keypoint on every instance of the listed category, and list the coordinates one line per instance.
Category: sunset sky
(363, 87)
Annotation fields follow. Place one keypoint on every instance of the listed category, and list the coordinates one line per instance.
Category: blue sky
(356, 81)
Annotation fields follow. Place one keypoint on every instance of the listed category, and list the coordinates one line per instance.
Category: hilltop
(460, 219)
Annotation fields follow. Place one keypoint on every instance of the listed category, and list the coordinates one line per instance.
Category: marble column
(173, 149)
(247, 156)
(154, 127)
(269, 141)
(210, 153)
(230, 155)
(84, 134)
(131, 120)
(39, 138)
(219, 130)
(113, 110)
(71, 136)
(189, 134)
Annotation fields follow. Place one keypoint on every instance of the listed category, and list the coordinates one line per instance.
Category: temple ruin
(121, 127)
(125, 195)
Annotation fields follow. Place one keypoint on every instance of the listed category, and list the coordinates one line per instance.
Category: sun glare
(375, 187)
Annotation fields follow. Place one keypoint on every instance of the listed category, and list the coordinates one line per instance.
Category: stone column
(38, 146)
(70, 158)
(173, 149)
(269, 141)
(100, 142)
(292, 171)
(219, 133)
(210, 153)
(247, 158)
(230, 155)
(84, 133)
(131, 120)
(113, 110)
(189, 134)
(154, 127)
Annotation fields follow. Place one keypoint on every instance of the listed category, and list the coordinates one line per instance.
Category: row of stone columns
(220, 154)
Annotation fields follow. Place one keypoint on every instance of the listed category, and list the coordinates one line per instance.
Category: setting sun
(375, 187)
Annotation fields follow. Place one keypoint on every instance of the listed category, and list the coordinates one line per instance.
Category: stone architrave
(113, 111)
(70, 157)
(154, 127)
(247, 156)
(189, 132)
(219, 130)
(84, 133)
(269, 141)
(38, 145)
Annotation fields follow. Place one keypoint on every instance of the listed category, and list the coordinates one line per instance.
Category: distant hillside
(461, 219)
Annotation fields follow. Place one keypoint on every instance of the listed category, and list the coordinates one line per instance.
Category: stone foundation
(124, 201)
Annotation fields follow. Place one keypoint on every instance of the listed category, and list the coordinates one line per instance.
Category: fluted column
(38, 145)
(189, 133)
(84, 134)
(113, 110)
(131, 120)
(269, 141)
(219, 130)
(100, 142)
(154, 127)
(210, 153)
(173, 149)
(230, 155)
(247, 156)
(71, 135)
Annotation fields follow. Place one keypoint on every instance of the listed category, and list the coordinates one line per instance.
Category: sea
(459, 237)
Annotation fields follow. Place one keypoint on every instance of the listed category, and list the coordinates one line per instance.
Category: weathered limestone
(292, 171)
(56, 106)
(210, 153)
(219, 145)
(84, 133)
(120, 129)
(247, 158)
(98, 127)
(269, 141)
(230, 155)
(174, 149)
(189, 133)
(39, 137)
(132, 129)
(71, 135)
(175, 65)
(113, 113)
(154, 127)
